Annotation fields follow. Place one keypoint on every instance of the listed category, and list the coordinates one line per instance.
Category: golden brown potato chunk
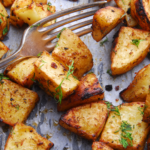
(4, 22)
(22, 73)
(3, 49)
(16, 102)
(70, 47)
(29, 12)
(140, 12)
(139, 88)
(7, 3)
(105, 20)
(25, 137)
(89, 90)
(100, 146)
(50, 73)
(146, 116)
(125, 128)
(87, 120)
(148, 143)
(130, 47)
(126, 6)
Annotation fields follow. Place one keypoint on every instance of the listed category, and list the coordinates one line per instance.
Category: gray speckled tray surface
(44, 118)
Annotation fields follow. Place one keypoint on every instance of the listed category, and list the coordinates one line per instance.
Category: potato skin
(4, 25)
(148, 143)
(71, 47)
(128, 112)
(87, 120)
(140, 12)
(124, 54)
(139, 88)
(3, 49)
(22, 137)
(16, 102)
(100, 146)
(22, 73)
(89, 90)
(104, 20)
(7, 3)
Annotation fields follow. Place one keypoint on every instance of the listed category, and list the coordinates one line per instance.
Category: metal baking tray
(44, 118)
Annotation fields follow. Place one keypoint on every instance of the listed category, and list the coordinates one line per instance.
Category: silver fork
(37, 38)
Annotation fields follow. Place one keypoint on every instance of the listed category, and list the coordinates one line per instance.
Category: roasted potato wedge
(25, 137)
(100, 146)
(148, 143)
(88, 91)
(49, 73)
(4, 22)
(87, 120)
(22, 73)
(70, 47)
(130, 47)
(16, 102)
(140, 12)
(130, 113)
(7, 3)
(139, 88)
(105, 20)
(126, 6)
(3, 49)
(29, 12)
(146, 116)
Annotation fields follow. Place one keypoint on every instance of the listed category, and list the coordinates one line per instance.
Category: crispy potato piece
(7, 3)
(146, 116)
(23, 72)
(89, 90)
(126, 6)
(3, 49)
(87, 120)
(70, 47)
(25, 137)
(105, 20)
(29, 12)
(16, 102)
(4, 22)
(132, 113)
(125, 54)
(139, 88)
(140, 12)
(100, 146)
(50, 73)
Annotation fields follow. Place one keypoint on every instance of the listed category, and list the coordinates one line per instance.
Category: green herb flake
(2, 15)
(102, 43)
(122, 16)
(17, 107)
(116, 111)
(114, 51)
(123, 2)
(90, 72)
(58, 35)
(43, 61)
(75, 77)
(35, 25)
(5, 30)
(49, 3)
(58, 89)
(48, 8)
(109, 72)
(116, 131)
(57, 45)
(41, 66)
(141, 110)
(1, 21)
(136, 42)
(39, 54)
(108, 105)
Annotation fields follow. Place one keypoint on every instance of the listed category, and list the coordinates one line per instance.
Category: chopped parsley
(41, 66)
(109, 72)
(141, 110)
(136, 42)
(126, 137)
(57, 45)
(48, 8)
(116, 111)
(49, 3)
(102, 43)
(58, 89)
(37, 25)
(114, 51)
(123, 2)
(2, 15)
(122, 16)
(5, 30)
(58, 35)
(1, 21)
(39, 54)
(17, 107)
(108, 105)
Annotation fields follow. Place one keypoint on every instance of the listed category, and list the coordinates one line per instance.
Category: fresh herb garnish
(114, 51)
(57, 45)
(58, 35)
(102, 43)
(58, 89)
(48, 8)
(35, 25)
(1, 21)
(123, 2)
(2, 15)
(116, 131)
(141, 110)
(2, 77)
(43, 61)
(116, 111)
(126, 137)
(39, 54)
(49, 3)
(108, 105)
(136, 42)
(5, 30)
(122, 16)
(109, 72)
(17, 107)
(41, 66)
